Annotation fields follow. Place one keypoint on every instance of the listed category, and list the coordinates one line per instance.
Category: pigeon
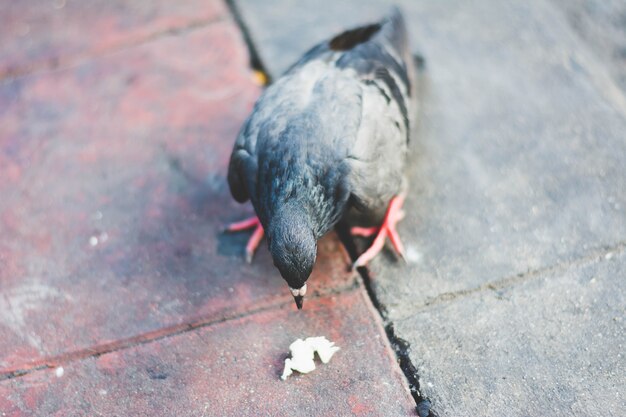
(327, 141)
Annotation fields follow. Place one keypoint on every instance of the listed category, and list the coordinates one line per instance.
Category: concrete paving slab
(40, 34)
(602, 25)
(518, 163)
(230, 369)
(553, 346)
(112, 176)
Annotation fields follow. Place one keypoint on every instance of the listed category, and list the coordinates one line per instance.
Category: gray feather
(332, 132)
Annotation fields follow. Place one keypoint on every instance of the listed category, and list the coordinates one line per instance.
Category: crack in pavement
(592, 256)
(255, 59)
(400, 346)
(160, 334)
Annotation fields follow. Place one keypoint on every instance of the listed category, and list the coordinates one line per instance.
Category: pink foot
(388, 229)
(255, 239)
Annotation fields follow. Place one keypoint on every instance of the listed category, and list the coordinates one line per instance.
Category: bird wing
(242, 165)
(384, 67)
(356, 86)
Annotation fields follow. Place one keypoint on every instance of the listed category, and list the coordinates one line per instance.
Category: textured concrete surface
(229, 369)
(552, 345)
(517, 170)
(601, 24)
(120, 295)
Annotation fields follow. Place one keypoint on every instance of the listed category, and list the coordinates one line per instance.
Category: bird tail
(393, 29)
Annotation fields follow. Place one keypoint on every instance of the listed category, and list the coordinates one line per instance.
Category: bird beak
(298, 295)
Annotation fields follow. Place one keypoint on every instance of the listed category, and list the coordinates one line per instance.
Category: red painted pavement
(39, 34)
(113, 182)
(113, 195)
(230, 369)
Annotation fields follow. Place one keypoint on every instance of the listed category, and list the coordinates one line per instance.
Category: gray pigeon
(327, 140)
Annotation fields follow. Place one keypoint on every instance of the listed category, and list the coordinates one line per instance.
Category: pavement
(122, 296)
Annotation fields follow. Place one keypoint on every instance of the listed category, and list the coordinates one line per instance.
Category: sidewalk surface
(120, 295)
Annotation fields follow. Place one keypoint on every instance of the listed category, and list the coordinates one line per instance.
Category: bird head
(293, 247)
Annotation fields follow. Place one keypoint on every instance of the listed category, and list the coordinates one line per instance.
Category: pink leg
(253, 242)
(395, 241)
(388, 229)
(243, 225)
(255, 239)
(368, 255)
(364, 231)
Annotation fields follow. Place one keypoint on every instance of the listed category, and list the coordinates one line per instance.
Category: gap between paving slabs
(400, 346)
(499, 284)
(247, 356)
(156, 335)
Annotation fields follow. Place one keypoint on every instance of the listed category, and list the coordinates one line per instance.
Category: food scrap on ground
(303, 352)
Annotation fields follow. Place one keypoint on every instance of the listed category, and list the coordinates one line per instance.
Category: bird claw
(388, 229)
(255, 239)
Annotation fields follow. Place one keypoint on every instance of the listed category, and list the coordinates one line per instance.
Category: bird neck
(317, 200)
(326, 205)
(290, 211)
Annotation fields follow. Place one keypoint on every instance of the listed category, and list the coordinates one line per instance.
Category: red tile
(45, 33)
(112, 177)
(231, 369)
